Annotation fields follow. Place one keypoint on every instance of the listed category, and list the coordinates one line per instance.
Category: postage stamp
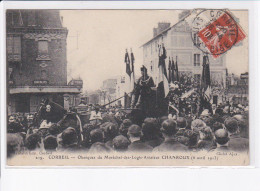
(217, 31)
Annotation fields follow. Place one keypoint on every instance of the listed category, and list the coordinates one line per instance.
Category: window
(196, 59)
(43, 47)
(122, 80)
(13, 44)
(196, 40)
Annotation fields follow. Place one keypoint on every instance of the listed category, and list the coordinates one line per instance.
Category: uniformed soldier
(143, 96)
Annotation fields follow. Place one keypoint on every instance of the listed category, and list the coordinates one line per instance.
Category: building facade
(179, 45)
(36, 60)
(108, 91)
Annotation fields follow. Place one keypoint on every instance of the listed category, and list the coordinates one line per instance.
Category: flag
(127, 62)
(177, 70)
(162, 83)
(132, 76)
(188, 94)
(170, 71)
(173, 70)
(205, 80)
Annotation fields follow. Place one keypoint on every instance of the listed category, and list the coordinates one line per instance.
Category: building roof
(164, 31)
(38, 19)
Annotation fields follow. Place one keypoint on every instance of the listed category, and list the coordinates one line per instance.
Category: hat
(120, 142)
(181, 122)
(50, 143)
(11, 119)
(143, 69)
(32, 141)
(231, 124)
(135, 130)
(221, 136)
(110, 130)
(126, 123)
(216, 126)
(96, 135)
(239, 117)
(69, 136)
(124, 126)
(54, 129)
(169, 127)
(205, 113)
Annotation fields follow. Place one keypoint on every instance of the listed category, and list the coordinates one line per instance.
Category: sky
(97, 40)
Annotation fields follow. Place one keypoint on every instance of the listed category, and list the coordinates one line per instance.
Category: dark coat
(237, 143)
(171, 145)
(139, 146)
(15, 127)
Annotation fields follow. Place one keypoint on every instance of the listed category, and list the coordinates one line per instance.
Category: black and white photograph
(127, 87)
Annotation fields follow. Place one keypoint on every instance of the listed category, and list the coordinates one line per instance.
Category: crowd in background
(223, 128)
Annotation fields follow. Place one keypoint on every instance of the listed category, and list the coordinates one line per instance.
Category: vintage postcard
(127, 87)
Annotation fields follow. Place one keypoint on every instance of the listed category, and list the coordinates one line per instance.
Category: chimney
(162, 26)
(184, 13)
(155, 32)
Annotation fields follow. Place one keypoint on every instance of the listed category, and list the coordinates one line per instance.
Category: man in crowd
(169, 129)
(134, 134)
(236, 143)
(222, 140)
(97, 140)
(14, 126)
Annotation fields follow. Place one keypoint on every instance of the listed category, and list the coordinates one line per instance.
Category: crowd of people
(225, 128)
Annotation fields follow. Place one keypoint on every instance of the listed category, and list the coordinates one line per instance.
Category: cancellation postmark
(215, 31)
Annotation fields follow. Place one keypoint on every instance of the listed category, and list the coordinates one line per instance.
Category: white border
(22, 179)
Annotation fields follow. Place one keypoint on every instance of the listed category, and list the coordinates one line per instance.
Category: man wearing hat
(143, 96)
